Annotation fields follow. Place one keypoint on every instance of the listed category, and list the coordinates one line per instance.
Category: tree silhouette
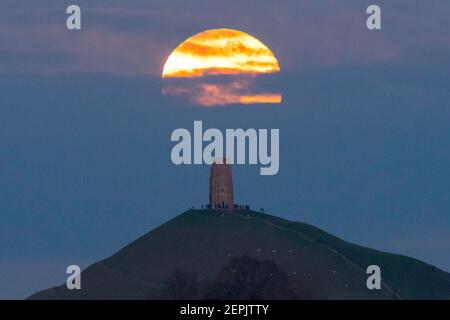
(249, 278)
(181, 285)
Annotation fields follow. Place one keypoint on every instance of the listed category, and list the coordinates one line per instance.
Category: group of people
(225, 206)
(245, 207)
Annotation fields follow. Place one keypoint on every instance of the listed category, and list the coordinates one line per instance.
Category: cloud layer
(137, 38)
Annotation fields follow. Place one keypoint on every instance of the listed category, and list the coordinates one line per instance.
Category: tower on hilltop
(221, 186)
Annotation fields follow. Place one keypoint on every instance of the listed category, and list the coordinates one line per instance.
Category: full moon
(220, 67)
(220, 51)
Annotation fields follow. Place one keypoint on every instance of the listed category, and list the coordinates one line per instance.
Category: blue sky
(85, 134)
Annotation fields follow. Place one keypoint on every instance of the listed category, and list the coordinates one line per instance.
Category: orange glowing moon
(220, 52)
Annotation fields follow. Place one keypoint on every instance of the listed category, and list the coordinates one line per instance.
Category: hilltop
(200, 243)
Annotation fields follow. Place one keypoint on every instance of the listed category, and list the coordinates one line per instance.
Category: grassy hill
(318, 265)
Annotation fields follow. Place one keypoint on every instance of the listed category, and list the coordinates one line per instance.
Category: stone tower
(221, 187)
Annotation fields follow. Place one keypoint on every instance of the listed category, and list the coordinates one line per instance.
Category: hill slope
(202, 241)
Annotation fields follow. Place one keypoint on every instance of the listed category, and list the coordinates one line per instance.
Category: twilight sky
(85, 133)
